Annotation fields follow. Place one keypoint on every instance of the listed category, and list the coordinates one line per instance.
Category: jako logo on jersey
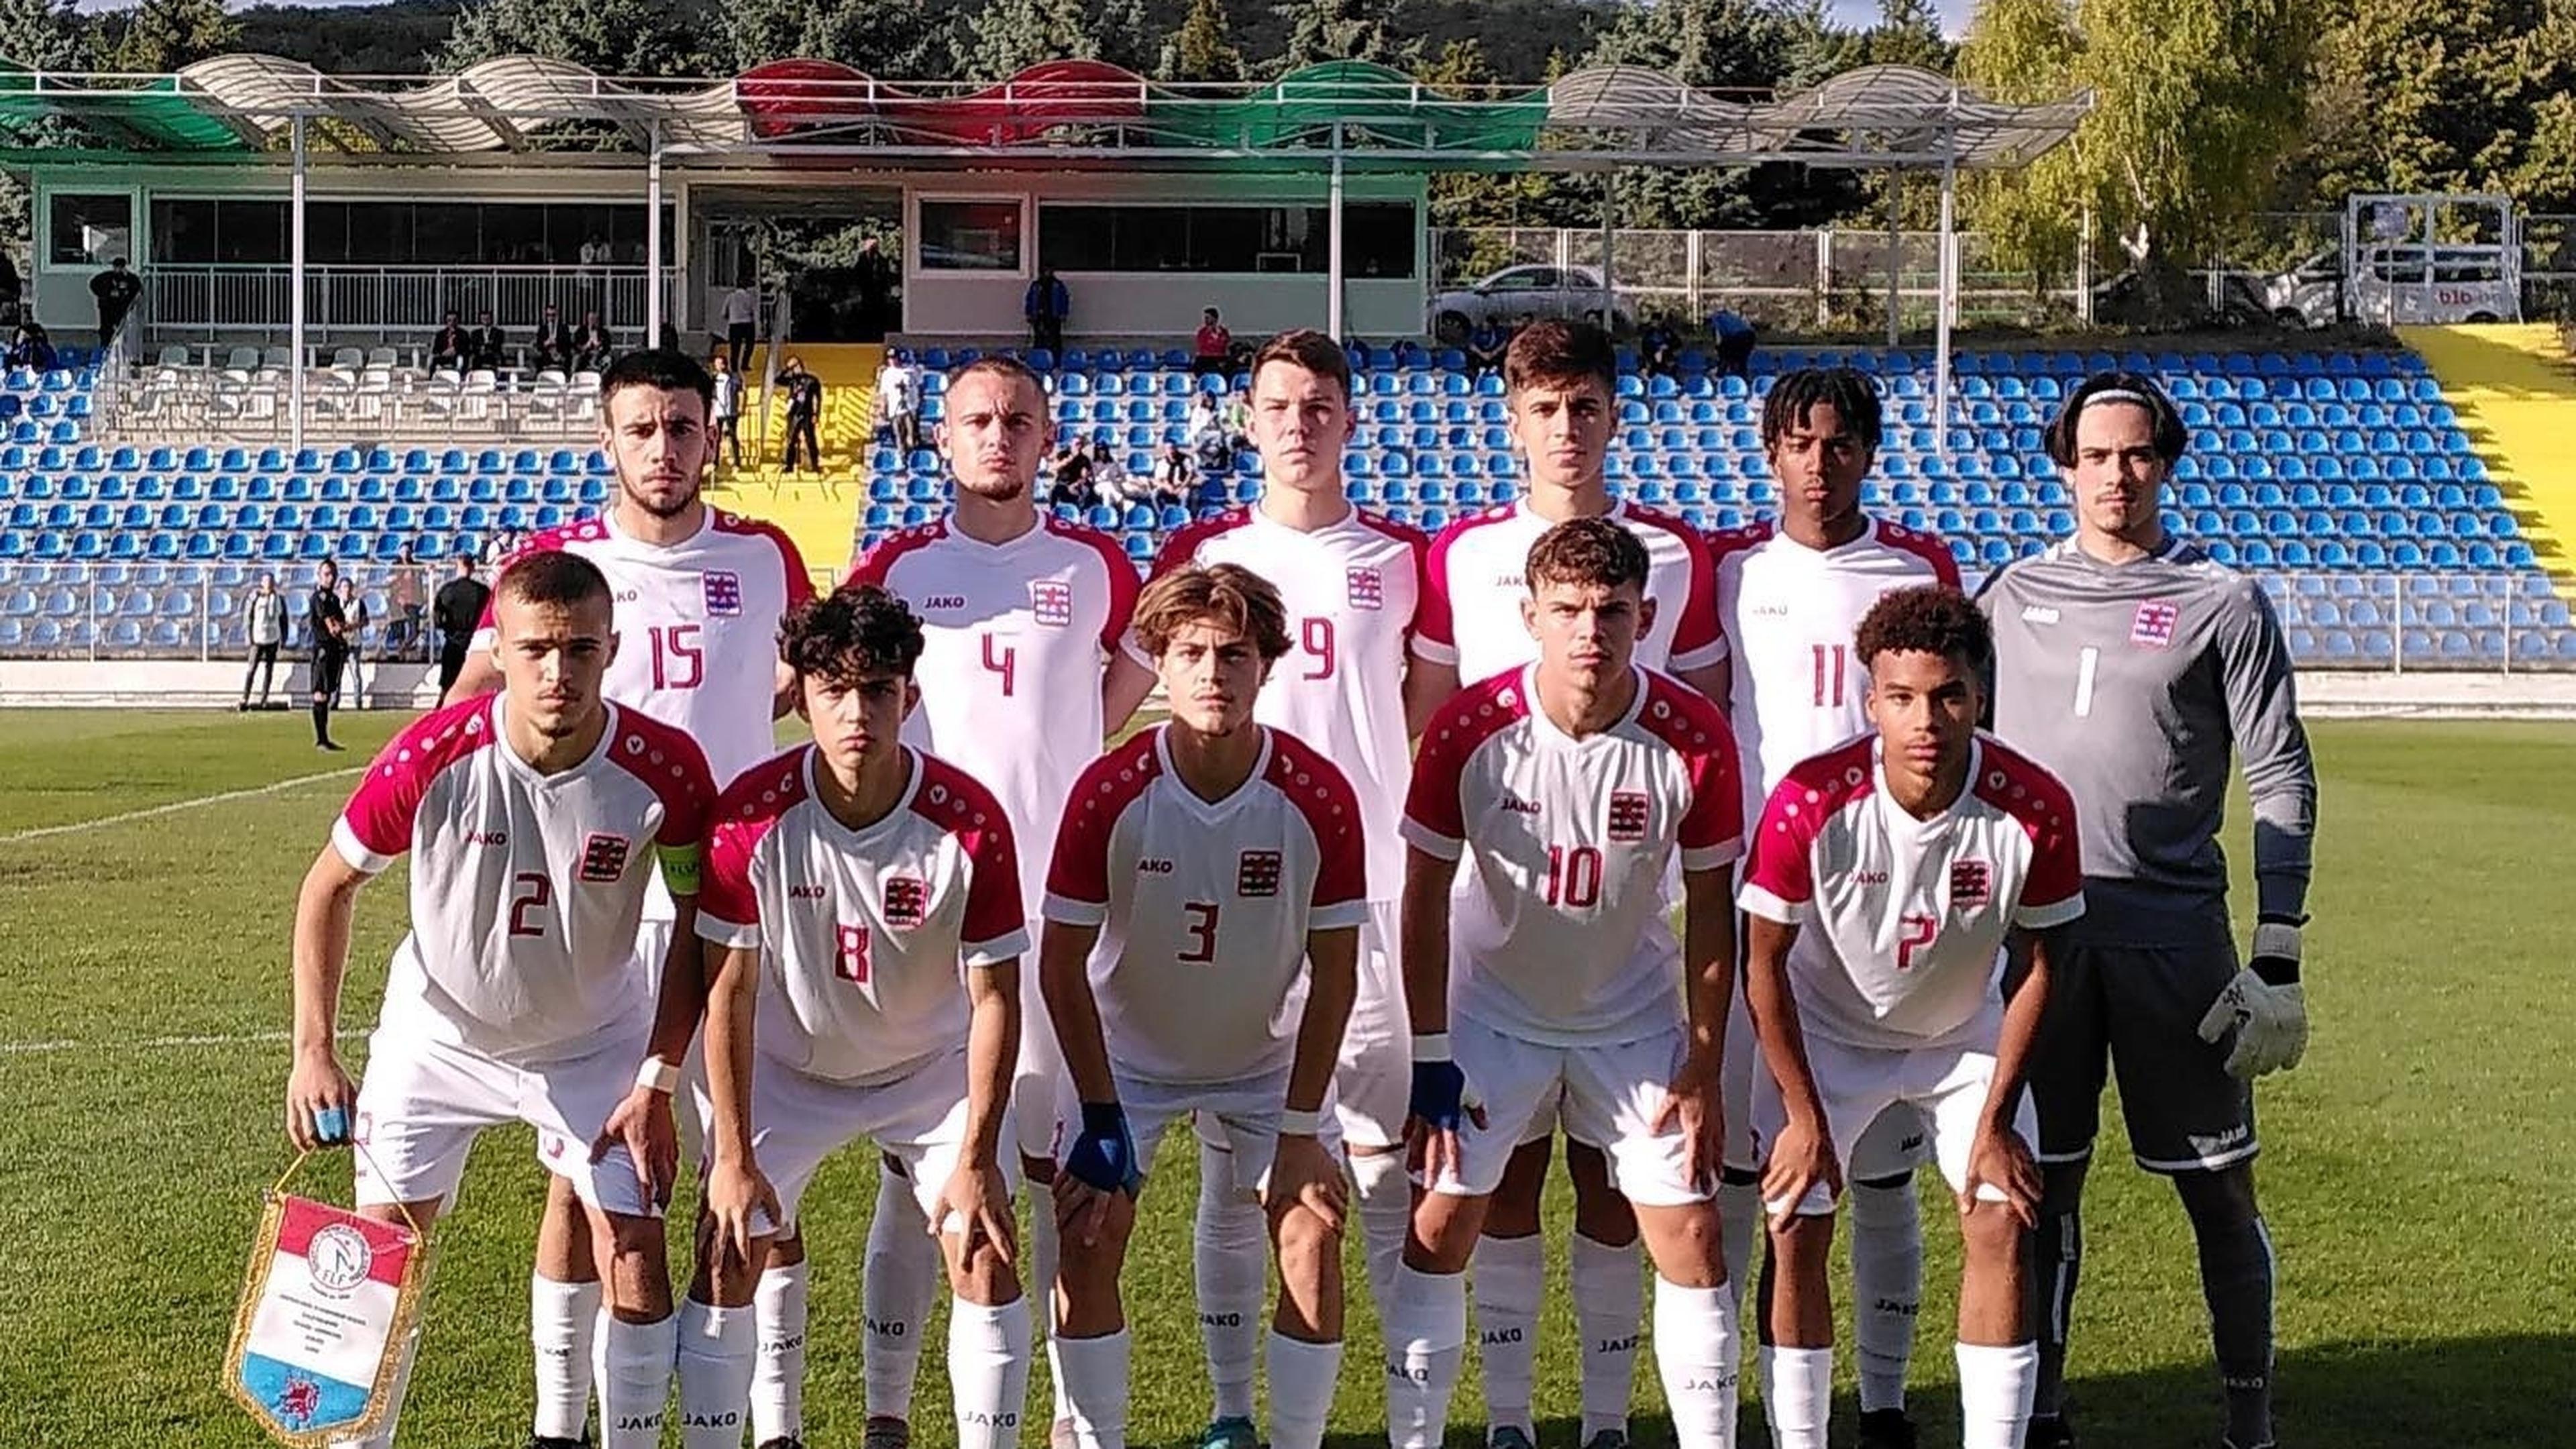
(1367, 588)
(907, 901)
(1051, 600)
(2153, 628)
(1148, 865)
(1256, 873)
(1972, 883)
(1870, 877)
(808, 892)
(724, 593)
(1515, 805)
(944, 601)
(603, 856)
(2038, 614)
(1628, 813)
(1769, 611)
(487, 837)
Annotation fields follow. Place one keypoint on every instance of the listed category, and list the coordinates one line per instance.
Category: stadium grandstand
(259, 416)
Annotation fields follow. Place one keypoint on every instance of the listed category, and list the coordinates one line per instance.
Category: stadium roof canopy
(1066, 113)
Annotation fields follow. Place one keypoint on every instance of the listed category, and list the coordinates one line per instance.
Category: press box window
(970, 236)
(90, 230)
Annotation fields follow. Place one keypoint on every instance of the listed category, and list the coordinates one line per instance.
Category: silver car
(1535, 289)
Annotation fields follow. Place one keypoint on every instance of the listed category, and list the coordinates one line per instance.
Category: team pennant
(325, 1307)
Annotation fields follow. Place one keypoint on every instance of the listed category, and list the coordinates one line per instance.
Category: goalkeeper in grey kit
(2132, 665)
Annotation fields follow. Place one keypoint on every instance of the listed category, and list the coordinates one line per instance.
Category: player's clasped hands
(2000, 1160)
(1303, 1174)
(1442, 1098)
(642, 1124)
(320, 1099)
(1802, 1158)
(976, 1204)
(1693, 1103)
(736, 1190)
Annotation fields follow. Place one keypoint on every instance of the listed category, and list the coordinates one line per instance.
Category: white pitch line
(149, 1043)
(74, 827)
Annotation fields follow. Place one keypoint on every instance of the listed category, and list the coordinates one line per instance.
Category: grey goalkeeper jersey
(2133, 683)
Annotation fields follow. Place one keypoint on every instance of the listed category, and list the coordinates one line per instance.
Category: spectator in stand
(1735, 335)
(13, 290)
(1204, 420)
(591, 348)
(264, 622)
(804, 411)
(456, 611)
(1173, 477)
(1486, 345)
(115, 290)
(876, 289)
(407, 595)
(1659, 349)
(1212, 351)
(1110, 482)
(1047, 305)
(741, 325)
(596, 252)
(899, 400)
(728, 410)
(490, 348)
(499, 544)
(554, 341)
(449, 350)
(30, 348)
(353, 609)
(1071, 467)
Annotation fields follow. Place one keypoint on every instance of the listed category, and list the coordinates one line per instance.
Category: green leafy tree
(1202, 48)
(1322, 30)
(1127, 34)
(163, 35)
(898, 39)
(44, 35)
(1007, 36)
(614, 37)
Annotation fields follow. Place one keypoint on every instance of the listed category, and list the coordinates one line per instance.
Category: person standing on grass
(456, 610)
(326, 635)
(534, 822)
(2136, 667)
(264, 622)
(353, 609)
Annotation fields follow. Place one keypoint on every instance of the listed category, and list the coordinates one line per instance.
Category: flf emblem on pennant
(325, 1307)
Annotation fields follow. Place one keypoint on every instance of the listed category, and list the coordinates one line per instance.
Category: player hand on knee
(643, 1124)
(1802, 1160)
(2001, 1161)
(1693, 1103)
(1303, 1174)
(736, 1191)
(976, 1205)
(319, 1101)
(1101, 1165)
(1442, 1098)
(2264, 1003)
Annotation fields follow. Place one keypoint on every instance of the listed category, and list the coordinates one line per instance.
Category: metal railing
(2494, 623)
(227, 302)
(246, 401)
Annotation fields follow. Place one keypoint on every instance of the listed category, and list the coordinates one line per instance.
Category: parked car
(1534, 288)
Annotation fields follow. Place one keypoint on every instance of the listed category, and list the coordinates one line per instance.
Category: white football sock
(717, 1349)
(1505, 1275)
(1091, 1374)
(635, 1381)
(563, 1318)
(1230, 1248)
(1041, 1284)
(988, 1371)
(383, 1438)
(1385, 1192)
(1302, 1379)
(898, 1277)
(1427, 1324)
(1995, 1386)
(1695, 1354)
(1797, 1395)
(1739, 1221)
(1887, 1288)
(778, 1371)
(1609, 1302)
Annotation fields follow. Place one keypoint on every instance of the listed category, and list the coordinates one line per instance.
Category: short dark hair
(857, 629)
(1307, 348)
(551, 577)
(2103, 389)
(997, 364)
(1926, 619)
(668, 369)
(1795, 396)
(1229, 595)
(1560, 350)
(1593, 551)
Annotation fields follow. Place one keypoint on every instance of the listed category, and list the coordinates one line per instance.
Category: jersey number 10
(1574, 876)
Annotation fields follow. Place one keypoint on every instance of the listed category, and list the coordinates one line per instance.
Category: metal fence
(245, 400)
(218, 302)
(2276, 242)
(2458, 622)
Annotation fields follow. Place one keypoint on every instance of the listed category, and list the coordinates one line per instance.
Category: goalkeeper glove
(1104, 1152)
(2264, 1003)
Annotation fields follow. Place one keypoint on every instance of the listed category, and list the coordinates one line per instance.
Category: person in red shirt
(1214, 352)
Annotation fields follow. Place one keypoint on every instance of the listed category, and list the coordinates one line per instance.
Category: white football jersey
(697, 626)
(1558, 933)
(1351, 590)
(1478, 579)
(1016, 638)
(525, 888)
(1789, 612)
(1902, 921)
(1204, 907)
(861, 932)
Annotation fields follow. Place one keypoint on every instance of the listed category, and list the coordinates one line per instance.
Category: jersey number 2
(530, 894)
(679, 660)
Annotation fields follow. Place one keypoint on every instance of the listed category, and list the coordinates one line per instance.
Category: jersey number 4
(1004, 660)
(679, 659)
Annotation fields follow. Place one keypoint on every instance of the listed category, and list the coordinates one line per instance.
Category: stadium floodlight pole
(1948, 292)
(295, 287)
(1895, 255)
(653, 238)
(1333, 243)
(1609, 220)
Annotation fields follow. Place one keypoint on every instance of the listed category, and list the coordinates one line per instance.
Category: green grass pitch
(2418, 1173)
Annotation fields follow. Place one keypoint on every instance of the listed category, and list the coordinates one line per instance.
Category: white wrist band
(659, 1075)
(1293, 1123)
(1431, 1046)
